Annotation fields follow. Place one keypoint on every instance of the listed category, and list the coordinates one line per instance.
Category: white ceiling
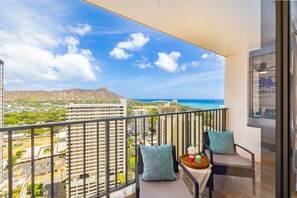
(225, 27)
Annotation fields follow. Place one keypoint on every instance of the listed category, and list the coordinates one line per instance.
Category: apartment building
(86, 144)
(1, 121)
(166, 108)
(176, 128)
(140, 124)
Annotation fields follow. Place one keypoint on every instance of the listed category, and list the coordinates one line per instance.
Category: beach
(198, 103)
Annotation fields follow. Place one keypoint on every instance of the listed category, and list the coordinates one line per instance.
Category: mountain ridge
(68, 95)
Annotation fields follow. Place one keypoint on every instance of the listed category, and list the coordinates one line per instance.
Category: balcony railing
(101, 153)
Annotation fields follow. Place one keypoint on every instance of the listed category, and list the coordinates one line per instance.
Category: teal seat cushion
(157, 163)
(221, 142)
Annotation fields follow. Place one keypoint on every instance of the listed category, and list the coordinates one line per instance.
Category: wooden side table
(205, 163)
(201, 172)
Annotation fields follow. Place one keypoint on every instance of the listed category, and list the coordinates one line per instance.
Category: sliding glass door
(293, 99)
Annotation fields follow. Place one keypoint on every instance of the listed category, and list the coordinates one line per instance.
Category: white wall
(236, 99)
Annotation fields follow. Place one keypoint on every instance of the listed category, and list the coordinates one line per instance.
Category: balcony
(100, 155)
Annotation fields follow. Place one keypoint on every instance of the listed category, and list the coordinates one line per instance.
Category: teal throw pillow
(157, 163)
(221, 142)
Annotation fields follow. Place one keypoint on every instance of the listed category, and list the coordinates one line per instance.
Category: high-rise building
(173, 130)
(1, 121)
(168, 109)
(173, 127)
(141, 124)
(95, 111)
(168, 125)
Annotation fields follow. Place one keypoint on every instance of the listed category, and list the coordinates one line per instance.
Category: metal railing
(101, 153)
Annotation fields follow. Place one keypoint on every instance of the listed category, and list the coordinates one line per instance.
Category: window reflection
(262, 75)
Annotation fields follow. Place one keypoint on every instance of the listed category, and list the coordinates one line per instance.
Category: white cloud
(213, 56)
(135, 42)
(143, 63)
(80, 29)
(73, 66)
(168, 62)
(31, 62)
(72, 44)
(97, 68)
(220, 58)
(205, 56)
(87, 53)
(195, 64)
(14, 81)
(217, 59)
(33, 49)
(25, 61)
(183, 67)
(40, 39)
(119, 53)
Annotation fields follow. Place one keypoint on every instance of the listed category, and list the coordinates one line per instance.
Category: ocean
(199, 103)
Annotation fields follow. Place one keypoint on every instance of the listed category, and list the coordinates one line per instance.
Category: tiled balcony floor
(239, 187)
(229, 186)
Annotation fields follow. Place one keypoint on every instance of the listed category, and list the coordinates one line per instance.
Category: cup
(191, 158)
(198, 159)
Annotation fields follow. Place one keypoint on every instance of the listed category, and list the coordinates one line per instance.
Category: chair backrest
(205, 138)
(140, 160)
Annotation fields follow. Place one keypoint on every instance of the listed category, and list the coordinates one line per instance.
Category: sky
(59, 45)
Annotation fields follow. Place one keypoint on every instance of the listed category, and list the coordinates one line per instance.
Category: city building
(62, 136)
(140, 124)
(169, 124)
(1, 120)
(19, 186)
(166, 108)
(174, 101)
(174, 128)
(76, 173)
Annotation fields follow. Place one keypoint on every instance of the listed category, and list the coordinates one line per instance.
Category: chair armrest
(207, 146)
(211, 152)
(196, 184)
(248, 151)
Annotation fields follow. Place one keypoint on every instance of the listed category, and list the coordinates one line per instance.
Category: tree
(46, 150)
(132, 162)
(129, 142)
(14, 160)
(131, 152)
(16, 192)
(57, 140)
(153, 111)
(121, 178)
(37, 190)
(19, 153)
(35, 117)
(64, 152)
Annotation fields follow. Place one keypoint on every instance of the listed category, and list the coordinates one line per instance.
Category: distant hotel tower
(1, 120)
(140, 124)
(87, 112)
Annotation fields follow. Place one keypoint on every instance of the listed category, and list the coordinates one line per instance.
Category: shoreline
(198, 103)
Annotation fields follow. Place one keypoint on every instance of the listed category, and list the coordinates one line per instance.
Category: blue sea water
(199, 103)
